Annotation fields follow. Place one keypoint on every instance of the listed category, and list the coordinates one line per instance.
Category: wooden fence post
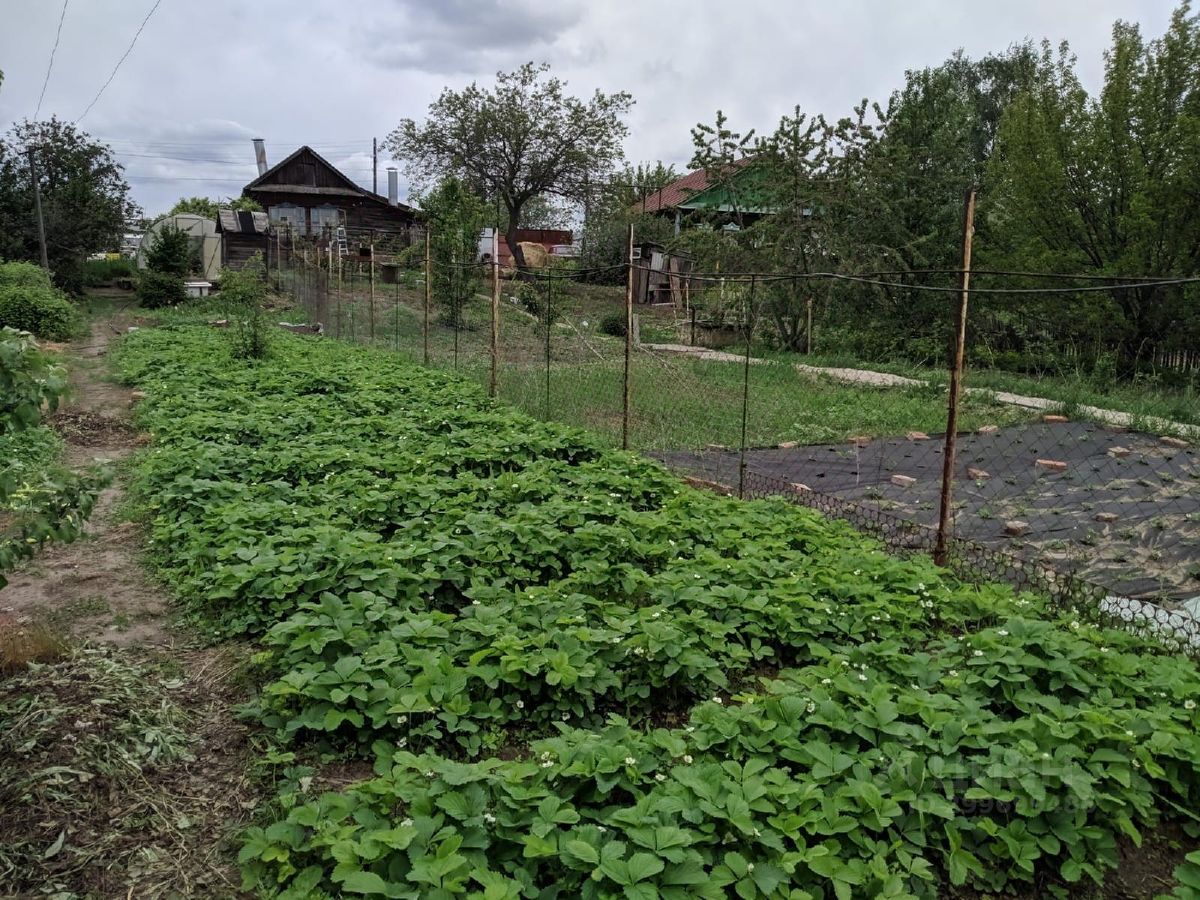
(493, 382)
(428, 289)
(625, 407)
(946, 509)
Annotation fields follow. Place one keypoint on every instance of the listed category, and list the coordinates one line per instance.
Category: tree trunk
(510, 235)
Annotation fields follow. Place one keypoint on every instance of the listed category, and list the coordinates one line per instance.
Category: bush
(37, 308)
(614, 324)
(171, 252)
(243, 294)
(158, 289)
(23, 274)
(97, 272)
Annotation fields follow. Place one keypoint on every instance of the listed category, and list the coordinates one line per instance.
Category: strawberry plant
(580, 678)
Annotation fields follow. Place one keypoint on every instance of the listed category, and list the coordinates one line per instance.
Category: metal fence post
(625, 404)
(945, 512)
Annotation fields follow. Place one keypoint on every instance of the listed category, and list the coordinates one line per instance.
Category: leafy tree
(204, 206)
(523, 139)
(1107, 185)
(85, 198)
(456, 217)
(612, 206)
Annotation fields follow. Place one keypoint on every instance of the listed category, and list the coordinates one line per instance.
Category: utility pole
(37, 208)
(374, 166)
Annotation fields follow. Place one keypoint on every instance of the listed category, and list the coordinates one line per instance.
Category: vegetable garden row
(580, 678)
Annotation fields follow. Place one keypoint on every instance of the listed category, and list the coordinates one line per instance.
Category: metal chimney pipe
(393, 186)
(260, 155)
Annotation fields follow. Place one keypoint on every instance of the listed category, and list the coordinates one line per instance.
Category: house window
(289, 215)
(325, 217)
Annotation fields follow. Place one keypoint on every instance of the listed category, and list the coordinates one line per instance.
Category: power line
(128, 50)
(50, 66)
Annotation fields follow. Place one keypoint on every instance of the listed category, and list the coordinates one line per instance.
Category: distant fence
(1097, 505)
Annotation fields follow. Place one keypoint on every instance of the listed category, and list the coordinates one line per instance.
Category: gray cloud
(458, 36)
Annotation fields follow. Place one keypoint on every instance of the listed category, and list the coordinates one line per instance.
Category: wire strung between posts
(567, 274)
(718, 278)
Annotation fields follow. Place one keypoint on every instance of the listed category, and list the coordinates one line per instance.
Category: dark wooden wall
(239, 248)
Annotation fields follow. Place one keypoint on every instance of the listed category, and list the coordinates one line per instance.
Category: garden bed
(579, 677)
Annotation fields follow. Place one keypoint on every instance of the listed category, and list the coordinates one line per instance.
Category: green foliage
(42, 502)
(1139, 142)
(28, 381)
(100, 272)
(23, 274)
(613, 324)
(243, 294)
(209, 208)
(612, 207)
(156, 290)
(29, 303)
(524, 139)
(581, 678)
(456, 216)
(86, 201)
(171, 251)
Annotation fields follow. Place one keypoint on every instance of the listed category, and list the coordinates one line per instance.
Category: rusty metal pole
(428, 289)
(493, 384)
(625, 408)
(945, 513)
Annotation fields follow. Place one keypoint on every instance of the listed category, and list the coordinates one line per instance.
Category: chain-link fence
(1082, 483)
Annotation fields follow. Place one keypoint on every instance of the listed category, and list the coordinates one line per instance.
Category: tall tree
(1108, 185)
(85, 199)
(522, 139)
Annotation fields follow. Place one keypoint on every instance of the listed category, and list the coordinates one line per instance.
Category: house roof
(347, 189)
(679, 192)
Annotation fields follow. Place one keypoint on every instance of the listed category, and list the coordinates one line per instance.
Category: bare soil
(164, 834)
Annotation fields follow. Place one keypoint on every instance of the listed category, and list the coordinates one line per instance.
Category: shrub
(37, 308)
(614, 324)
(97, 272)
(171, 251)
(23, 274)
(242, 295)
(158, 289)
(28, 381)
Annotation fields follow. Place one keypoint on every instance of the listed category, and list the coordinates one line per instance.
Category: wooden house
(307, 195)
(243, 234)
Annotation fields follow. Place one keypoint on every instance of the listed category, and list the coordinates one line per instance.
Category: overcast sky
(205, 77)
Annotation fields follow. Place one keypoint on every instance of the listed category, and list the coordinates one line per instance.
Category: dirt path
(162, 834)
(886, 379)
